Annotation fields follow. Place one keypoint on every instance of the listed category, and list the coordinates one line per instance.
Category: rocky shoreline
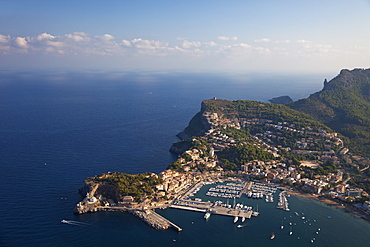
(148, 218)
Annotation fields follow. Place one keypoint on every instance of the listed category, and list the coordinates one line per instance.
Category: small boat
(272, 236)
(239, 226)
(290, 232)
(207, 215)
(236, 219)
(243, 219)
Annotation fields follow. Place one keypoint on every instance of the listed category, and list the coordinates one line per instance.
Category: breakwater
(154, 220)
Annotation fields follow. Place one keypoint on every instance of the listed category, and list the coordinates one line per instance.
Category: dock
(212, 208)
(189, 208)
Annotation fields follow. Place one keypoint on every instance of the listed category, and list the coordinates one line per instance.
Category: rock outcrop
(281, 100)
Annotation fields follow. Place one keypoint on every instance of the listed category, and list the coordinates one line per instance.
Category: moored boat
(236, 218)
(207, 215)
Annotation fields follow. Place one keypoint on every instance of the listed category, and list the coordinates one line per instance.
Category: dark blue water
(56, 129)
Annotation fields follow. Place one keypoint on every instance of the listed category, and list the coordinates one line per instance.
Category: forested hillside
(344, 106)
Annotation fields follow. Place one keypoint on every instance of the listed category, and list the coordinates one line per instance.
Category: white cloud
(126, 43)
(189, 44)
(264, 51)
(55, 43)
(148, 44)
(78, 36)
(45, 36)
(4, 38)
(263, 40)
(243, 45)
(210, 44)
(225, 38)
(21, 42)
(105, 37)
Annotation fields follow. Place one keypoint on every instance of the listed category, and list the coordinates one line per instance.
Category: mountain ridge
(344, 105)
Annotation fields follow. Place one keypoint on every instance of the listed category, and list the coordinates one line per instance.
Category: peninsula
(245, 144)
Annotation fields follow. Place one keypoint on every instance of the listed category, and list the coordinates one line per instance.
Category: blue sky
(243, 36)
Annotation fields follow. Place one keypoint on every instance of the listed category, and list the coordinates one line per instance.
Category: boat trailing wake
(75, 223)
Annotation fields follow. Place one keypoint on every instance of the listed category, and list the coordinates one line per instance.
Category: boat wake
(73, 222)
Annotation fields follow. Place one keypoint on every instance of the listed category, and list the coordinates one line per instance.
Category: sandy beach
(349, 208)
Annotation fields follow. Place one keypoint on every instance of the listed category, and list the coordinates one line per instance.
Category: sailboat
(290, 233)
(272, 236)
(282, 224)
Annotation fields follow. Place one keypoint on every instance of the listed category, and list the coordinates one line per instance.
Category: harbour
(230, 190)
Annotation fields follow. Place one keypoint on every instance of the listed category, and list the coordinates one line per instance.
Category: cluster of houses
(272, 170)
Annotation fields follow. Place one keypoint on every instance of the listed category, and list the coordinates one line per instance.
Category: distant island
(314, 147)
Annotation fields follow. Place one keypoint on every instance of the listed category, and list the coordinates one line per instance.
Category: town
(309, 160)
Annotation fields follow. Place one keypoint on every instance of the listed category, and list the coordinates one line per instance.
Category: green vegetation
(138, 186)
(324, 169)
(234, 157)
(361, 180)
(344, 105)
(254, 109)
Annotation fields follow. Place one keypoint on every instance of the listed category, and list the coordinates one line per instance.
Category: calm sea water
(56, 129)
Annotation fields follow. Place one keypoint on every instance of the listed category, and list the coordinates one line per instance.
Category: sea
(59, 127)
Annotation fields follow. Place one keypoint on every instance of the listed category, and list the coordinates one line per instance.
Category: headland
(241, 143)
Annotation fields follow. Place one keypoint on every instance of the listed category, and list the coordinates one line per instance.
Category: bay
(57, 129)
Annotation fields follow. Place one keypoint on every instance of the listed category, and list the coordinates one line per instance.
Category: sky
(312, 36)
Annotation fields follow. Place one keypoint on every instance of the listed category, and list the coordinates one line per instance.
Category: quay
(188, 208)
(212, 208)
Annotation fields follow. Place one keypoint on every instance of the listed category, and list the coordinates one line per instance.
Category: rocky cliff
(197, 126)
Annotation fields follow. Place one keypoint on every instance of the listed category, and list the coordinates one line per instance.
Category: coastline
(200, 164)
(351, 209)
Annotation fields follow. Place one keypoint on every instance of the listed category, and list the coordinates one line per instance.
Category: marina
(231, 190)
(283, 201)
